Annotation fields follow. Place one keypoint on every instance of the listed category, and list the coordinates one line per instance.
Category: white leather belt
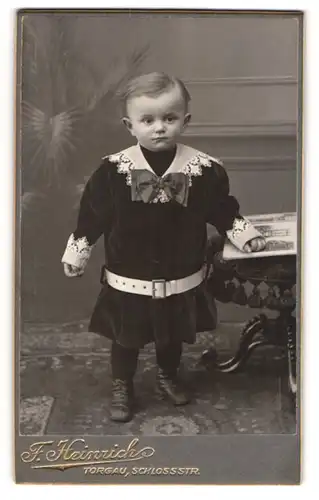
(157, 289)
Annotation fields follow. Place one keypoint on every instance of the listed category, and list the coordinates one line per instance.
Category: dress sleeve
(224, 210)
(94, 218)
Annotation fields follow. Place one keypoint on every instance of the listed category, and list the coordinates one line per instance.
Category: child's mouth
(160, 139)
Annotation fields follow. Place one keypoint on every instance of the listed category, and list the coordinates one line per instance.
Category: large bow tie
(146, 186)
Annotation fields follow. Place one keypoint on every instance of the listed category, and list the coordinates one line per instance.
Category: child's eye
(147, 121)
(170, 119)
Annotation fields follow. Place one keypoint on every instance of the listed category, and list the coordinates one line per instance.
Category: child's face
(157, 122)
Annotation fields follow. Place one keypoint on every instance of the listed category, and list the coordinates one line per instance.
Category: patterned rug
(66, 390)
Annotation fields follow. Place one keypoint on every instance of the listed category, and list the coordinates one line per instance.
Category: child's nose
(159, 126)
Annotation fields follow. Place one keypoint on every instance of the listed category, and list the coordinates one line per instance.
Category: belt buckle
(160, 282)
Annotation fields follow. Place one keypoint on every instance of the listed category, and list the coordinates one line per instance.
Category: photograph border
(270, 459)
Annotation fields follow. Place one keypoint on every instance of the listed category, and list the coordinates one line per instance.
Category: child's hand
(255, 245)
(72, 271)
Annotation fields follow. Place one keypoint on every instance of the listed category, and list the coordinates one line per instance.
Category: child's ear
(128, 124)
(187, 119)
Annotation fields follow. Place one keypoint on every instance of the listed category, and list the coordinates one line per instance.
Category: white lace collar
(187, 160)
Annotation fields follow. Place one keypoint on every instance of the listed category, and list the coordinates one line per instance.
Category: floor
(65, 388)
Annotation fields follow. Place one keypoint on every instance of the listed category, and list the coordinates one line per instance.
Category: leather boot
(122, 400)
(169, 387)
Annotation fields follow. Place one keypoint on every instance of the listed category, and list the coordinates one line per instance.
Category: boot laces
(120, 390)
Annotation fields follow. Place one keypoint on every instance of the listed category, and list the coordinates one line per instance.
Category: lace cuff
(242, 232)
(77, 252)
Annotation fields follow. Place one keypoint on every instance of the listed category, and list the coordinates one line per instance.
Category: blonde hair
(152, 85)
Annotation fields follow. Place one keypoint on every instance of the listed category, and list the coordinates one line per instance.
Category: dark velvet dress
(152, 241)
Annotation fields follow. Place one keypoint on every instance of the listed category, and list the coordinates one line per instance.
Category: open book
(279, 231)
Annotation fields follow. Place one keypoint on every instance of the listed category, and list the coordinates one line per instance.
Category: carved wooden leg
(280, 331)
(246, 345)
